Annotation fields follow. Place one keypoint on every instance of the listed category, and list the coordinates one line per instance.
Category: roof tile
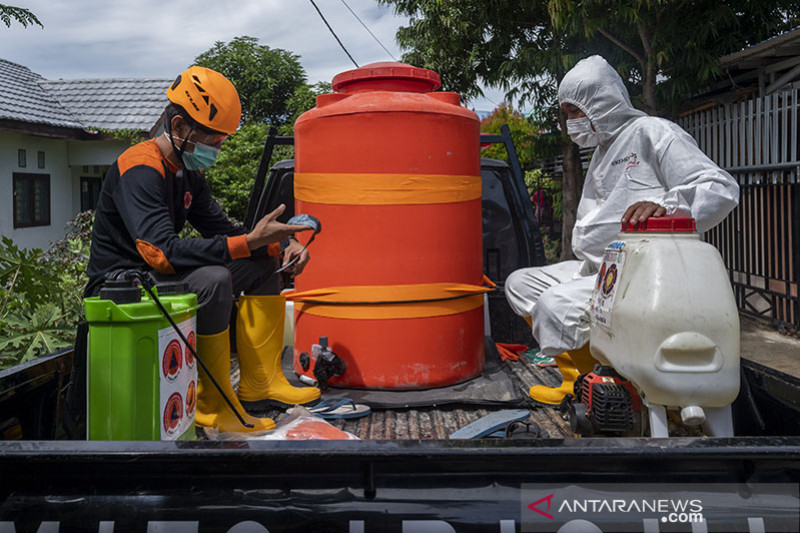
(114, 103)
(24, 99)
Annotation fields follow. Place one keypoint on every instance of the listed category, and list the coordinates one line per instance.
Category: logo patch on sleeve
(187, 200)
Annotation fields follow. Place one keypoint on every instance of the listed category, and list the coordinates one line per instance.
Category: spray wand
(147, 284)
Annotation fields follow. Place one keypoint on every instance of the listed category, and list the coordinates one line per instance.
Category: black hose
(147, 283)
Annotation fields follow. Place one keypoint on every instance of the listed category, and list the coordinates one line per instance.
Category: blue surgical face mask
(203, 156)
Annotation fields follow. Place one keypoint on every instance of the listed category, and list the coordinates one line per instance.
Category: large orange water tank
(392, 170)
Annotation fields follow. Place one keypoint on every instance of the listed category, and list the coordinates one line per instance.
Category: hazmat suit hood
(596, 88)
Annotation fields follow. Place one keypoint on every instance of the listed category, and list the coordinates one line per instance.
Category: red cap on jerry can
(661, 225)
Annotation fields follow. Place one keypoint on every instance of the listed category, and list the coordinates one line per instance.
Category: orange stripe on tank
(154, 256)
(390, 301)
(385, 189)
(392, 311)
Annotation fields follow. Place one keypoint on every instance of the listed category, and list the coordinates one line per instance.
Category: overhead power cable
(370, 32)
(333, 33)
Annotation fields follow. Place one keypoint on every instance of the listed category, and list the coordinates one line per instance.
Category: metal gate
(756, 140)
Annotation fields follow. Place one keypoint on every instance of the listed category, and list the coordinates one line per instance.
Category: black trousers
(217, 285)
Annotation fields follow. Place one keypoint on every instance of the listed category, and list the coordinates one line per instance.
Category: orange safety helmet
(208, 97)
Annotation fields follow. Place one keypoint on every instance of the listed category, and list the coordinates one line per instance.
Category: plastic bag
(300, 424)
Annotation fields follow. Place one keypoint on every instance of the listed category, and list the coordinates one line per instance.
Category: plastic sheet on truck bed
(440, 420)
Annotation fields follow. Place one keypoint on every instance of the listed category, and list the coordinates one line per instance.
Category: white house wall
(90, 153)
(64, 162)
(55, 151)
(90, 159)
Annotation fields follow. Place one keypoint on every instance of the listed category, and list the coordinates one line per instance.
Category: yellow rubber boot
(259, 343)
(571, 364)
(212, 410)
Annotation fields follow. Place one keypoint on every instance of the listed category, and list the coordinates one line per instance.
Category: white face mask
(581, 132)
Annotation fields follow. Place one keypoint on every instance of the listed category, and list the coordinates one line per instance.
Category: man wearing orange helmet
(149, 193)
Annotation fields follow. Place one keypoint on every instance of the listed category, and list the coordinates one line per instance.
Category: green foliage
(31, 332)
(552, 246)
(666, 50)
(23, 278)
(536, 181)
(265, 78)
(20, 14)
(30, 323)
(303, 99)
(507, 44)
(41, 293)
(128, 136)
(522, 132)
(68, 257)
(232, 176)
(273, 90)
(188, 232)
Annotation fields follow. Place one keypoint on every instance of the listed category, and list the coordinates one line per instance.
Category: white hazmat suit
(638, 158)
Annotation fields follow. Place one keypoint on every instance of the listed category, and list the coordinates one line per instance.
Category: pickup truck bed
(763, 349)
(439, 422)
(405, 473)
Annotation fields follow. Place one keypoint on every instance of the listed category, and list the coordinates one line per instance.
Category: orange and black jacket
(143, 205)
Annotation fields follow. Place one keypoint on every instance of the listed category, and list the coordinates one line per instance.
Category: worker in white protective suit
(642, 167)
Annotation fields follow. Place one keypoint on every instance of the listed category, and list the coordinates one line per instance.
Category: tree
(266, 78)
(272, 87)
(231, 178)
(666, 50)
(20, 14)
(523, 131)
(303, 99)
(503, 43)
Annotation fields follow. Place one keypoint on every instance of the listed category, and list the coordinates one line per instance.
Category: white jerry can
(663, 315)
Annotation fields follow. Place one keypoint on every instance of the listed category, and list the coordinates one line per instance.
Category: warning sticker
(178, 394)
(173, 416)
(606, 284)
(191, 399)
(188, 352)
(172, 360)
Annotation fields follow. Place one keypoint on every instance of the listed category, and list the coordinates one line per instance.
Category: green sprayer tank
(142, 379)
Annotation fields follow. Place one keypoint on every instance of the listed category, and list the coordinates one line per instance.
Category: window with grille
(31, 200)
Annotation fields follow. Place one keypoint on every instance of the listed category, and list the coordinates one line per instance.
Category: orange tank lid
(387, 76)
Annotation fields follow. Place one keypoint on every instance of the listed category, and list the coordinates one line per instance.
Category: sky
(160, 38)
